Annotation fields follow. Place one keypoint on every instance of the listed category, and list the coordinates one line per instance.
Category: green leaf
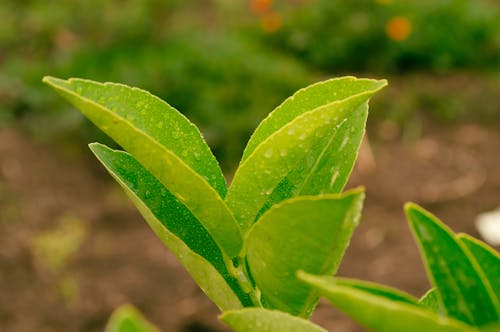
(488, 260)
(309, 233)
(380, 312)
(263, 320)
(165, 143)
(377, 290)
(146, 113)
(431, 301)
(305, 100)
(312, 153)
(128, 319)
(460, 286)
(176, 226)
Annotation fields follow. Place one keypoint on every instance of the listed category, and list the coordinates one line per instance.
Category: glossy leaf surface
(461, 287)
(132, 117)
(377, 290)
(309, 233)
(263, 320)
(431, 301)
(312, 153)
(305, 100)
(381, 312)
(174, 224)
(148, 114)
(128, 319)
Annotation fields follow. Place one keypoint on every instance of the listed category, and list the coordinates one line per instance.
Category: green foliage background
(213, 59)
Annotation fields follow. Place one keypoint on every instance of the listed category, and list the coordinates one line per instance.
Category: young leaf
(263, 320)
(128, 319)
(488, 261)
(307, 99)
(461, 287)
(377, 290)
(309, 233)
(176, 226)
(380, 311)
(430, 300)
(146, 113)
(311, 154)
(165, 152)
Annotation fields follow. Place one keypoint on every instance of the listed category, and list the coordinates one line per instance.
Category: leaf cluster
(283, 212)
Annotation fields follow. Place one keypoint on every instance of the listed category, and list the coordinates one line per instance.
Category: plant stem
(237, 268)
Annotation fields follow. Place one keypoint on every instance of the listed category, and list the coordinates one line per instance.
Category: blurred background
(73, 248)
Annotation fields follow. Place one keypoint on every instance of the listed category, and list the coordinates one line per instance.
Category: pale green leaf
(381, 313)
(460, 286)
(311, 154)
(264, 320)
(128, 319)
(150, 115)
(488, 261)
(431, 301)
(377, 290)
(309, 233)
(307, 99)
(164, 151)
(176, 226)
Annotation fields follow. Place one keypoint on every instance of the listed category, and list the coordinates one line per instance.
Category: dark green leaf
(175, 225)
(309, 233)
(460, 287)
(488, 261)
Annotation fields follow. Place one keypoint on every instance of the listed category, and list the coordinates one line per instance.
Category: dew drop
(268, 153)
(334, 177)
(291, 131)
(269, 191)
(302, 136)
(283, 152)
(197, 156)
(344, 143)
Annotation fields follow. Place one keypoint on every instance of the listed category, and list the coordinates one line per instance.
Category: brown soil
(111, 257)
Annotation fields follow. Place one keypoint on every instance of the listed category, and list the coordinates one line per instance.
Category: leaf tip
(52, 81)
